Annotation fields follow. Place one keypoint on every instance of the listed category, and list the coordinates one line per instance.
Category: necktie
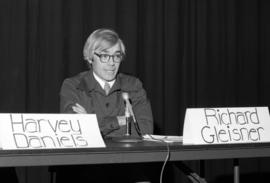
(107, 88)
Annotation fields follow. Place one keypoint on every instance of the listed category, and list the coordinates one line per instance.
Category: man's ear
(90, 61)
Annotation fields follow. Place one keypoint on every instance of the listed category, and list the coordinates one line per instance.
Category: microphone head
(125, 96)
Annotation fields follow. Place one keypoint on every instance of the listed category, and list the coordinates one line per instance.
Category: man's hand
(79, 109)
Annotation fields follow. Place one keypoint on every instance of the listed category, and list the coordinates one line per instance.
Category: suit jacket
(86, 91)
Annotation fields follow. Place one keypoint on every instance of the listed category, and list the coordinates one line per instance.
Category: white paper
(226, 125)
(49, 131)
(163, 138)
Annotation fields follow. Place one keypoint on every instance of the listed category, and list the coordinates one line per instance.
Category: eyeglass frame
(109, 56)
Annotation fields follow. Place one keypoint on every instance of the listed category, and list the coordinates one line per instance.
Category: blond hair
(99, 40)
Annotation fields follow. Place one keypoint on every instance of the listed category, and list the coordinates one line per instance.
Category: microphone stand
(128, 137)
(128, 122)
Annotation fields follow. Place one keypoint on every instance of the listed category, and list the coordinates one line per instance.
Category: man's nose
(110, 61)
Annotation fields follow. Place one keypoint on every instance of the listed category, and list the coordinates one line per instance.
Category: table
(116, 152)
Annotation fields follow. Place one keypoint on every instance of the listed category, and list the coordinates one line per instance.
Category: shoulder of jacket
(129, 82)
(76, 80)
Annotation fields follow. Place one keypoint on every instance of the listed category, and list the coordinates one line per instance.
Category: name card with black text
(226, 125)
(49, 131)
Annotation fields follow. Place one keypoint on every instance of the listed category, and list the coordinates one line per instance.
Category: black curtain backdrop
(188, 53)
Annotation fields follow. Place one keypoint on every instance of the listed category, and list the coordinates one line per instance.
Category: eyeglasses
(117, 58)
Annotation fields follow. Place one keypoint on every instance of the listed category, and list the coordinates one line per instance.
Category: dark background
(188, 53)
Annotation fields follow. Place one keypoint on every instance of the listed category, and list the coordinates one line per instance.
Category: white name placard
(49, 131)
(226, 125)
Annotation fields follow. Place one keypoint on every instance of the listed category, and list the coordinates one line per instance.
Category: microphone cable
(137, 128)
(166, 159)
(191, 175)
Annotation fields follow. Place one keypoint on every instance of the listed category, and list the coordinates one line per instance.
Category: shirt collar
(102, 82)
(88, 83)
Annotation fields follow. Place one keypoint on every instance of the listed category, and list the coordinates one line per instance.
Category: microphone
(127, 114)
(129, 108)
(128, 105)
(128, 138)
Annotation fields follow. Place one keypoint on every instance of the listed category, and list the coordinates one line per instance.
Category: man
(99, 91)
(86, 93)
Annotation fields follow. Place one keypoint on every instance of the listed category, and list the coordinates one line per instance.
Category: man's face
(106, 71)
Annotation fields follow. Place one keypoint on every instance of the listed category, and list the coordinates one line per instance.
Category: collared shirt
(85, 90)
(102, 82)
